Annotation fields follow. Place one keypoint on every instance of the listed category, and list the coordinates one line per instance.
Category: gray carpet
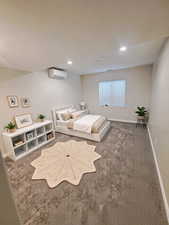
(123, 191)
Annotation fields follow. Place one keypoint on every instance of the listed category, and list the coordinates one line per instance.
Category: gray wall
(159, 115)
(44, 93)
(138, 91)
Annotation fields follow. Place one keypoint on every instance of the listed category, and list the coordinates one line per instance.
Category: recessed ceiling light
(69, 62)
(123, 48)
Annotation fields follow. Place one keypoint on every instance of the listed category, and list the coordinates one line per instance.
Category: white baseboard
(123, 121)
(159, 177)
(4, 155)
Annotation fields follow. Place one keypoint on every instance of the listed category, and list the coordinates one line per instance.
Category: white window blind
(112, 93)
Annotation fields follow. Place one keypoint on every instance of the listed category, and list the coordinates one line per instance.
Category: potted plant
(141, 112)
(11, 127)
(41, 117)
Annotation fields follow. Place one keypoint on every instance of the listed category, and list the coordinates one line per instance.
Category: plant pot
(41, 120)
(11, 130)
(140, 117)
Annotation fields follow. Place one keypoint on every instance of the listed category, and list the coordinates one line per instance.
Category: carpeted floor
(123, 191)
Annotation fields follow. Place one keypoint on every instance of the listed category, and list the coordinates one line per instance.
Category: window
(112, 93)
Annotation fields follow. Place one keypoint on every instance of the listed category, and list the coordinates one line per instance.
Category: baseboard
(159, 177)
(123, 121)
(4, 155)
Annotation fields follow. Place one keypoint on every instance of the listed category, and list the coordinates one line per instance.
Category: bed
(68, 120)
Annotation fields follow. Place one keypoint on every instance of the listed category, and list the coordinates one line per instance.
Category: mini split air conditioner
(57, 73)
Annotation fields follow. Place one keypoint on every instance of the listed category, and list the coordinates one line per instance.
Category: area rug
(65, 161)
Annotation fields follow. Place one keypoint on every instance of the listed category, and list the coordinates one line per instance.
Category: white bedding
(85, 123)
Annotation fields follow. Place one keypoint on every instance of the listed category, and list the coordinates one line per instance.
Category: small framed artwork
(13, 101)
(25, 102)
(23, 120)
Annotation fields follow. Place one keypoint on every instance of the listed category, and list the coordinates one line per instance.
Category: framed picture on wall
(23, 120)
(13, 101)
(25, 102)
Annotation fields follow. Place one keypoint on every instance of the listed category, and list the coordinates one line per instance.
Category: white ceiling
(36, 34)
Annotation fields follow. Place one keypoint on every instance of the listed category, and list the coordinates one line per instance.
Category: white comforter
(85, 123)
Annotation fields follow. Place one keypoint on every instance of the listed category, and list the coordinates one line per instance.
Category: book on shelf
(18, 143)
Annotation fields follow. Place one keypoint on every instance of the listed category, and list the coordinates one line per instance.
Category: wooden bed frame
(63, 129)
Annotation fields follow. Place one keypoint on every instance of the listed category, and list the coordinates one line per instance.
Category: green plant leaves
(141, 111)
(10, 125)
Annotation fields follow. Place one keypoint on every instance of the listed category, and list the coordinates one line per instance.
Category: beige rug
(65, 161)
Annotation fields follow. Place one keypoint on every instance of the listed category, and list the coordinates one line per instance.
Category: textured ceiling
(36, 34)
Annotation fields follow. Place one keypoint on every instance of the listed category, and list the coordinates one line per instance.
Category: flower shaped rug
(65, 161)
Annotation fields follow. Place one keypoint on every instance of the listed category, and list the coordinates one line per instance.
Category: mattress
(95, 127)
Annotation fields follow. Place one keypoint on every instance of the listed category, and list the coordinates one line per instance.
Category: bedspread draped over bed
(88, 123)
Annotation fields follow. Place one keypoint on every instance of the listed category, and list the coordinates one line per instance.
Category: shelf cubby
(49, 135)
(48, 127)
(18, 140)
(40, 131)
(20, 150)
(41, 139)
(31, 144)
(30, 135)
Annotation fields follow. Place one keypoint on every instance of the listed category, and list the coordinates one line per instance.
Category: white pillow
(59, 114)
(76, 114)
(71, 110)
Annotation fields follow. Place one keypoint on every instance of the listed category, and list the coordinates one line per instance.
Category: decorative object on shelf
(13, 101)
(65, 161)
(23, 120)
(11, 127)
(142, 116)
(25, 102)
(49, 135)
(29, 135)
(41, 117)
(16, 144)
(83, 105)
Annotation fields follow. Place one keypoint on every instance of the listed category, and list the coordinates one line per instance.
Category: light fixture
(123, 48)
(69, 62)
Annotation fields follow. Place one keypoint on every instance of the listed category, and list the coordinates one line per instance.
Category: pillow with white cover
(72, 109)
(77, 114)
(65, 114)
(59, 114)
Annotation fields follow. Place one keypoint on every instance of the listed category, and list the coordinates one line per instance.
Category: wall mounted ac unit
(57, 73)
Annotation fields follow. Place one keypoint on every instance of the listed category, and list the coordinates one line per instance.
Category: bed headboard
(54, 111)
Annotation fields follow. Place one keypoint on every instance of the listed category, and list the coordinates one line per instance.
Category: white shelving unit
(28, 139)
